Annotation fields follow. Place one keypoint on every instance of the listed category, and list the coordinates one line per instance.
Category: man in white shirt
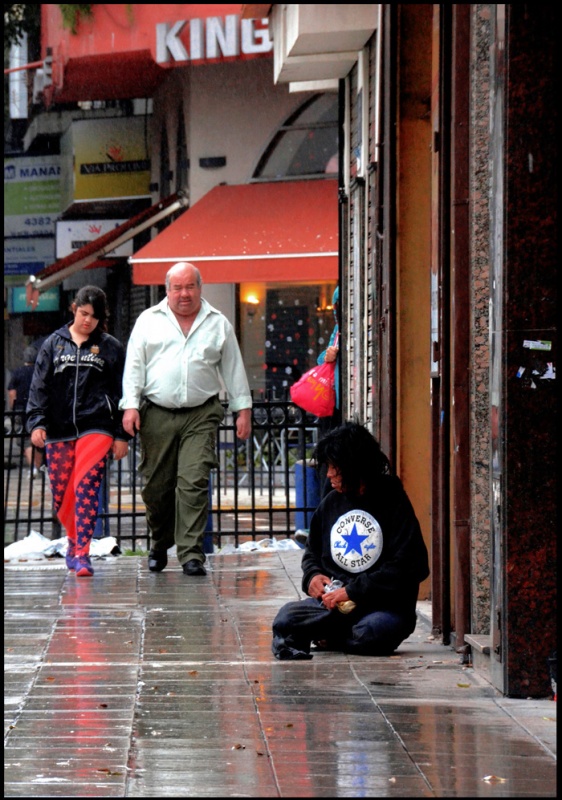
(178, 352)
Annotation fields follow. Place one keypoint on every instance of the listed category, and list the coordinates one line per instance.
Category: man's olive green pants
(178, 454)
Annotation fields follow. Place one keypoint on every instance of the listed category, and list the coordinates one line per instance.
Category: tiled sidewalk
(134, 684)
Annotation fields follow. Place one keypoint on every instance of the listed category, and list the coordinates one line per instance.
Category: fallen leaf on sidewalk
(463, 685)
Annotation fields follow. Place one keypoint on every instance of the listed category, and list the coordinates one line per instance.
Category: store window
(284, 329)
(306, 145)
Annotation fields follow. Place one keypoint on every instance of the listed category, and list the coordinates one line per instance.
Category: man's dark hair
(95, 297)
(355, 452)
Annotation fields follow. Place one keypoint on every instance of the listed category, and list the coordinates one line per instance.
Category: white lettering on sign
(226, 37)
(196, 38)
(256, 40)
(168, 41)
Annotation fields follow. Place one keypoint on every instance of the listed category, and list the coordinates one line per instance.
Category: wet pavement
(134, 684)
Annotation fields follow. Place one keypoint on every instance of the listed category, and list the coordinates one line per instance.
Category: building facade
(448, 187)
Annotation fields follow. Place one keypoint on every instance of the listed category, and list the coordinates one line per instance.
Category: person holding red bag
(317, 391)
(329, 355)
(326, 422)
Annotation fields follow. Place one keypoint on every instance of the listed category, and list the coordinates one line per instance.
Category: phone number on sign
(39, 222)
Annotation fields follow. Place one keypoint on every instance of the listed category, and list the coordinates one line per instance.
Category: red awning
(286, 231)
(118, 76)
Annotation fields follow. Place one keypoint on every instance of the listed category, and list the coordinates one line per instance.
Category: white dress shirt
(173, 370)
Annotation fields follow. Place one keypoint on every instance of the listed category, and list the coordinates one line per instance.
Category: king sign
(212, 38)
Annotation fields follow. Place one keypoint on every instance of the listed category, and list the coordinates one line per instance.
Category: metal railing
(261, 488)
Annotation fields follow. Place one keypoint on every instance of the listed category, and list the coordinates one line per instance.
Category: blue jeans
(377, 633)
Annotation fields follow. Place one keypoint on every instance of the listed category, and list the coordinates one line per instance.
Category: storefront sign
(72, 235)
(211, 39)
(28, 256)
(49, 300)
(32, 195)
(111, 159)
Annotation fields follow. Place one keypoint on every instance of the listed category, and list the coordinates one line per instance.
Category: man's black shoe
(194, 567)
(157, 561)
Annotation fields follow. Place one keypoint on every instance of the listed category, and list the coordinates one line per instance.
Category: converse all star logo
(356, 541)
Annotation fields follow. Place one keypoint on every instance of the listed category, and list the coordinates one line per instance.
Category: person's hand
(331, 353)
(119, 449)
(331, 599)
(317, 586)
(38, 436)
(244, 423)
(131, 421)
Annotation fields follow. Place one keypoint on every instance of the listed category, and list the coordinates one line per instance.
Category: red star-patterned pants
(75, 471)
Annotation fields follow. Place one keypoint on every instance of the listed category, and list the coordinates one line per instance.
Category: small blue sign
(49, 300)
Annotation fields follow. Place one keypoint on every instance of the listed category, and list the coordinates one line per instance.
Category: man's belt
(183, 408)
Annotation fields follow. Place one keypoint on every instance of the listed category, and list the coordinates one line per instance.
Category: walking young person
(73, 412)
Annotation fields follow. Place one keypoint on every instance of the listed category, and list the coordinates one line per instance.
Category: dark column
(527, 411)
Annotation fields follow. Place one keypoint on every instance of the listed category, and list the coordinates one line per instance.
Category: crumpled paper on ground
(261, 546)
(36, 547)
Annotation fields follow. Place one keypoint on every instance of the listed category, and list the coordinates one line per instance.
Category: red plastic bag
(315, 391)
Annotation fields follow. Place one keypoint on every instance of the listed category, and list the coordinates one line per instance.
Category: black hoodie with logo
(372, 543)
(76, 390)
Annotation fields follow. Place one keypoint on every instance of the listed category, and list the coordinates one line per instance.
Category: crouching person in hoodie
(364, 559)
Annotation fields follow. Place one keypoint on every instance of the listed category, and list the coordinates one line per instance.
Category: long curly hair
(355, 452)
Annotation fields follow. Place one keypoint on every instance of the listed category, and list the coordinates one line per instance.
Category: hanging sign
(32, 195)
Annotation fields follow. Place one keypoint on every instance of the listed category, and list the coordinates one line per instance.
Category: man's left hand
(244, 423)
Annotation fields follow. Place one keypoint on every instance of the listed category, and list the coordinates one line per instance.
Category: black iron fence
(265, 487)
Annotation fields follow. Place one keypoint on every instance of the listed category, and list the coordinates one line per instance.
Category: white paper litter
(36, 547)
(261, 546)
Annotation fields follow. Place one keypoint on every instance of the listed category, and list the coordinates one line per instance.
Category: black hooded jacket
(373, 544)
(76, 390)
